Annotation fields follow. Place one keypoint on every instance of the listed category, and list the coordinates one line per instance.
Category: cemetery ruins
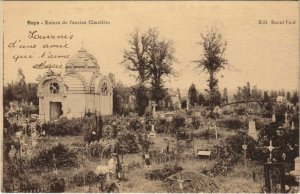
(82, 82)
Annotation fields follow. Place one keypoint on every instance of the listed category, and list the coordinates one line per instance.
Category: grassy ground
(239, 180)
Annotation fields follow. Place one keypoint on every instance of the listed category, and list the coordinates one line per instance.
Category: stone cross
(10, 104)
(283, 156)
(270, 149)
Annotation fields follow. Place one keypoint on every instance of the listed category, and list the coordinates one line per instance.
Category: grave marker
(244, 146)
(187, 104)
(252, 130)
(293, 126)
(286, 118)
(154, 105)
(270, 148)
(296, 172)
(54, 164)
(152, 132)
(273, 117)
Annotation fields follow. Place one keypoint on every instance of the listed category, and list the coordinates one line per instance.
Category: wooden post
(180, 181)
(244, 146)
(193, 142)
(54, 162)
(187, 104)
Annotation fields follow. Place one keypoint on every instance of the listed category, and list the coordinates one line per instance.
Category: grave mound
(198, 182)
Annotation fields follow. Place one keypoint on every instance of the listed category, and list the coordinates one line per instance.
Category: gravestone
(273, 117)
(296, 173)
(293, 126)
(152, 133)
(252, 130)
(154, 108)
(187, 104)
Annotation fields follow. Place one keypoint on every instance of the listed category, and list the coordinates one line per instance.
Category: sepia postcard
(149, 97)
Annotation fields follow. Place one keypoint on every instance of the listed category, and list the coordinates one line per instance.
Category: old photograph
(150, 97)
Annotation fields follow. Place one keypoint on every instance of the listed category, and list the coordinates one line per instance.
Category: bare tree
(136, 59)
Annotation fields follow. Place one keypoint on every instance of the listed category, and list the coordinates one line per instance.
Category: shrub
(162, 126)
(30, 187)
(144, 142)
(286, 141)
(266, 113)
(85, 177)
(182, 134)
(236, 142)
(232, 124)
(196, 123)
(91, 134)
(280, 110)
(135, 124)
(107, 131)
(65, 126)
(127, 143)
(57, 185)
(162, 174)
(206, 134)
(64, 158)
(96, 149)
(229, 152)
(240, 111)
(177, 122)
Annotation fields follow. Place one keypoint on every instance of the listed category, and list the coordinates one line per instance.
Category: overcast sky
(266, 55)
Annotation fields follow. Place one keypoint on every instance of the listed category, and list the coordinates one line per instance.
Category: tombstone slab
(273, 117)
(152, 132)
(296, 172)
(252, 130)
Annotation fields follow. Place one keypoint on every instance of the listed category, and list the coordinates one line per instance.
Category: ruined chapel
(81, 89)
